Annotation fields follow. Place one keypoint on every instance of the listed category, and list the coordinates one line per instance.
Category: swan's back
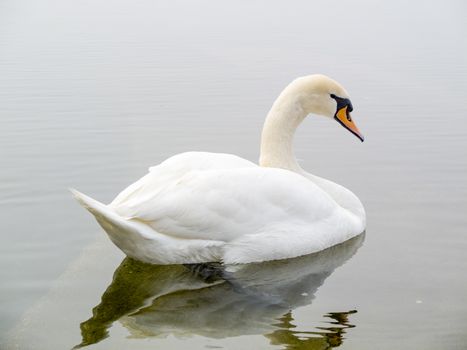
(201, 200)
(172, 169)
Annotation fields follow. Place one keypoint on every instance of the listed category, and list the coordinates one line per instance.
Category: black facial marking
(343, 102)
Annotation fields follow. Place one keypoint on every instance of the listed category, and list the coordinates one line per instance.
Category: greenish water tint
(211, 301)
(328, 337)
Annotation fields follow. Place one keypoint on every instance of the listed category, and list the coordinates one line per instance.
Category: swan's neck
(277, 149)
(277, 137)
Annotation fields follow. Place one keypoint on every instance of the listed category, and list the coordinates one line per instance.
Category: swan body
(201, 207)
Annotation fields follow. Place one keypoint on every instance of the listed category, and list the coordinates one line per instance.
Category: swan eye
(343, 102)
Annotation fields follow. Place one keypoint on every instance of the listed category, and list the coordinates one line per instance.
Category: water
(92, 93)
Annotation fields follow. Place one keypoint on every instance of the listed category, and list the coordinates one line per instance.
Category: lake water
(92, 93)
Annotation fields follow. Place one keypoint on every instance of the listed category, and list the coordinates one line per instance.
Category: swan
(211, 207)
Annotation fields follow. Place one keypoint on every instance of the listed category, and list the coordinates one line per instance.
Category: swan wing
(171, 170)
(224, 204)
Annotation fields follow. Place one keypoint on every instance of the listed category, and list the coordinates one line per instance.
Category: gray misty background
(92, 93)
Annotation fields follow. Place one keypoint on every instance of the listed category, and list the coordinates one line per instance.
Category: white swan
(199, 207)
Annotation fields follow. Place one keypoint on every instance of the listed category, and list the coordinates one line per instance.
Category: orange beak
(343, 117)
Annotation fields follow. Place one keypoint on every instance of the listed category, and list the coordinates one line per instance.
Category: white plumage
(199, 207)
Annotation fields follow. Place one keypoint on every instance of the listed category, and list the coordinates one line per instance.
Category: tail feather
(123, 232)
(93, 206)
(140, 241)
(106, 217)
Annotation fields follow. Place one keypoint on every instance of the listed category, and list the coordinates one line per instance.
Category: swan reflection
(218, 301)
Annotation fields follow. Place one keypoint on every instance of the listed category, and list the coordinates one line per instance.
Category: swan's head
(324, 96)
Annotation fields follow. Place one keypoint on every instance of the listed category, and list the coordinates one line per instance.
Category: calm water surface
(94, 92)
